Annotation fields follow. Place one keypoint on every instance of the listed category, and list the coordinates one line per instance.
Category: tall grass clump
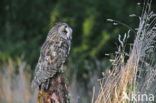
(15, 82)
(134, 72)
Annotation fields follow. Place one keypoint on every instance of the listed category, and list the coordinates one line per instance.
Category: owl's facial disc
(69, 32)
(65, 32)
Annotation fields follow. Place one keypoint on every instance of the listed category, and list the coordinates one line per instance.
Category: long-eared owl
(53, 54)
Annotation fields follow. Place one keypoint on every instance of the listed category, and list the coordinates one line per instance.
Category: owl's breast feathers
(55, 52)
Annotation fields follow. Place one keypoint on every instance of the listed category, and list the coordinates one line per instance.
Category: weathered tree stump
(57, 91)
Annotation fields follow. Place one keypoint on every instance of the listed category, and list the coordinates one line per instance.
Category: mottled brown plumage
(52, 55)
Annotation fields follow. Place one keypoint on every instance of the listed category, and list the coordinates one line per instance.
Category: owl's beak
(69, 33)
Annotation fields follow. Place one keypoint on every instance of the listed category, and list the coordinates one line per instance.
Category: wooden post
(57, 91)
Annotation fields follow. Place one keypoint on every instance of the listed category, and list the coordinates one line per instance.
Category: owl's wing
(47, 64)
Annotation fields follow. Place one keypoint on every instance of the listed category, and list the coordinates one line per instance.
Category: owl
(53, 55)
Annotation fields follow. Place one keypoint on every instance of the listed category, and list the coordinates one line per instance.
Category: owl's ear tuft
(57, 23)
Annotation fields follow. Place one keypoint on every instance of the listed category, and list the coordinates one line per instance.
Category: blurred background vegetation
(24, 25)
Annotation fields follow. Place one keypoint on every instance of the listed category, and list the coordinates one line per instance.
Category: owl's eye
(64, 30)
